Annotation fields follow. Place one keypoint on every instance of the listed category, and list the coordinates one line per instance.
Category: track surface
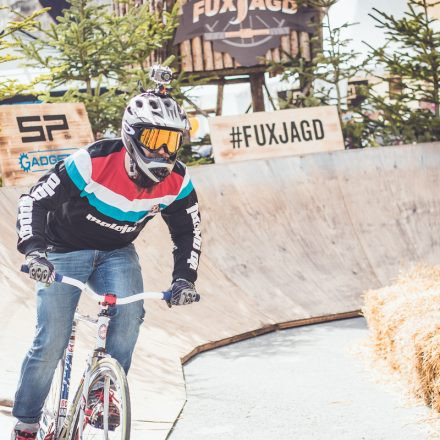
(305, 383)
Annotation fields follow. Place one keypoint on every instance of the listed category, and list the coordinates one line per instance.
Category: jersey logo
(46, 189)
(155, 209)
(24, 217)
(120, 228)
(193, 261)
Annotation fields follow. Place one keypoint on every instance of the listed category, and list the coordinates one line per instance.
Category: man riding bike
(81, 218)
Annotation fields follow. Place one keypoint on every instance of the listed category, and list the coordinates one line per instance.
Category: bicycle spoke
(106, 405)
(107, 415)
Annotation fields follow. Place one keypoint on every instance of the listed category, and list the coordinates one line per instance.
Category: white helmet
(153, 120)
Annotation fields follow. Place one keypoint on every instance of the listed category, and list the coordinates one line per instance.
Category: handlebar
(127, 300)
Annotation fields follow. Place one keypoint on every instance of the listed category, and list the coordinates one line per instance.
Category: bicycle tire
(111, 369)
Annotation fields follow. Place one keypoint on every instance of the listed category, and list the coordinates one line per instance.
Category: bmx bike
(103, 382)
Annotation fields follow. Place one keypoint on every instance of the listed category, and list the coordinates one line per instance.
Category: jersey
(87, 201)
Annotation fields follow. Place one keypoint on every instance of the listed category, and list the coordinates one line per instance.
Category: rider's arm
(183, 220)
(58, 185)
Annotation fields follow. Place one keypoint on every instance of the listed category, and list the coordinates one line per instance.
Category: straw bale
(404, 323)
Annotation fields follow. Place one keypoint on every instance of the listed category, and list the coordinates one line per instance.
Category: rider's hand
(182, 292)
(40, 268)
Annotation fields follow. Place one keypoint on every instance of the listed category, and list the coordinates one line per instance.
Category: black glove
(182, 292)
(40, 268)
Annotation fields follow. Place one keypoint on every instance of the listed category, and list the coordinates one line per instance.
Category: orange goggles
(155, 138)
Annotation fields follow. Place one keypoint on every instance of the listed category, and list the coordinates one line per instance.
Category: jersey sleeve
(183, 220)
(64, 181)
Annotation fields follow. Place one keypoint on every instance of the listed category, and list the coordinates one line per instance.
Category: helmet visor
(154, 139)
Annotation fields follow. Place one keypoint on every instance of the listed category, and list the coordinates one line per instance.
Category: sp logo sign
(41, 128)
(34, 137)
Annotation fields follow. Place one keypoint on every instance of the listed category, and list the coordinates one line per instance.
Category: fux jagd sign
(246, 29)
(263, 135)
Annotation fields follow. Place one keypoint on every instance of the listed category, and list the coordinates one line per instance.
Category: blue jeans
(117, 272)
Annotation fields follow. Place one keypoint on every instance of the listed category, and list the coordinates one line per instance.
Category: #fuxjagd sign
(34, 137)
(246, 29)
(282, 133)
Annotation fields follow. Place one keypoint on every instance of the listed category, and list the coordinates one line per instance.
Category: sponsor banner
(56, 7)
(34, 137)
(272, 134)
(246, 29)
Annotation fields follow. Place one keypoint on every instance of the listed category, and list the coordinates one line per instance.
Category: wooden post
(219, 107)
(197, 53)
(257, 83)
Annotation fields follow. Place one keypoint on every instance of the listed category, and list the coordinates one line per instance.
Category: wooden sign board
(272, 134)
(34, 137)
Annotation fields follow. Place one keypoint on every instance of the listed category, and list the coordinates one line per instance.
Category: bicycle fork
(98, 353)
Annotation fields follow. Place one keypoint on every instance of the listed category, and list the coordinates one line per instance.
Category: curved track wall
(284, 240)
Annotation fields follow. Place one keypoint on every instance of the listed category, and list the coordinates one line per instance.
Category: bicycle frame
(98, 352)
(62, 422)
(60, 425)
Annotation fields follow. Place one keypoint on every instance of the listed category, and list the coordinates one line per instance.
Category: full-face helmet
(153, 120)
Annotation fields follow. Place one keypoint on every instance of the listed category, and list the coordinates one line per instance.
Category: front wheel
(107, 415)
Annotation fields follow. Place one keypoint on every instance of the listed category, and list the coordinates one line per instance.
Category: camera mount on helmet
(162, 76)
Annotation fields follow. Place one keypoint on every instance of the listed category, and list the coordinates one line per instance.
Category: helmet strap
(136, 176)
(132, 171)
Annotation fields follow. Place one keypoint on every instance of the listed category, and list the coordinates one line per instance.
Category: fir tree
(332, 63)
(411, 62)
(97, 57)
(8, 87)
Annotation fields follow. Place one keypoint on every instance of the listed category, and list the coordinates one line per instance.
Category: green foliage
(319, 78)
(98, 57)
(411, 57)
(187, 156)
(8, 87)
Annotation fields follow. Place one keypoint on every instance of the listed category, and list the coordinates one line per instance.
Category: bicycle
(104, 381)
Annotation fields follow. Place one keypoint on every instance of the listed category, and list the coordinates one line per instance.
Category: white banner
(273, 134)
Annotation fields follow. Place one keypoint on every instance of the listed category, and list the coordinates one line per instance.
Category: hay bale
(404, 323)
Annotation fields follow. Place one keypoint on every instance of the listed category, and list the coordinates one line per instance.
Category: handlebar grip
(58, 277)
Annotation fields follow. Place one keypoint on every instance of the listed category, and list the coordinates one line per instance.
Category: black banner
(56, 7)
(246, 29)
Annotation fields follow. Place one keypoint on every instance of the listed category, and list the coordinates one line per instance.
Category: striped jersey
(87, 201)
